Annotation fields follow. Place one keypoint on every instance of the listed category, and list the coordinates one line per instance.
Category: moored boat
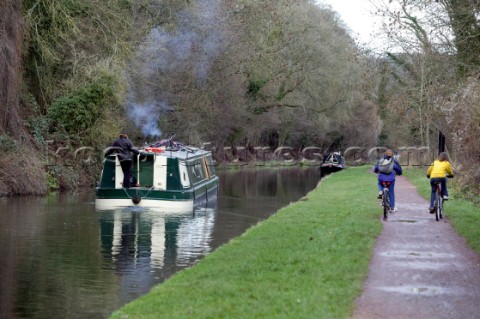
(167, 176)
(332, 162)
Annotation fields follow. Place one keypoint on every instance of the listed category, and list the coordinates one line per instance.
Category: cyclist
(387, 168)
(437, 172)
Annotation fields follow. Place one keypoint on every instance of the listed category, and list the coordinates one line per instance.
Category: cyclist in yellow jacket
(438, 172)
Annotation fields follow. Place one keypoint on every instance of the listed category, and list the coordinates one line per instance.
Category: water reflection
(62, 259)
(144, 247)
(150, 237)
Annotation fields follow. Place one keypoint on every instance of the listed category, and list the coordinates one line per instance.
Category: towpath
(421, 268)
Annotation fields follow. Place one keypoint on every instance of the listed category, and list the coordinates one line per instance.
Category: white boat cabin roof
(183, 153)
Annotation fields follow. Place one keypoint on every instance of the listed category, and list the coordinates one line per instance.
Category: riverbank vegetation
(430, 80)
(241, 75)
(309, 260)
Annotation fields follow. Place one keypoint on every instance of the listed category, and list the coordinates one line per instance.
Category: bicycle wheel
(441, 208)
(438, 207)
(386, 203)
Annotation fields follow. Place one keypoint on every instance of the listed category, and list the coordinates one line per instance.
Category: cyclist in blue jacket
(388, 175)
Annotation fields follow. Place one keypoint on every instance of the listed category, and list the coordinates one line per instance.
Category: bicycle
(438, 208)
(438, 203)
(386, 199)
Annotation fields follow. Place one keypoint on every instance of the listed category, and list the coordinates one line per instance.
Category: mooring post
(441, 142)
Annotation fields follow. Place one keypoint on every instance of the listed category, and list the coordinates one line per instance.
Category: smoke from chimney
(165, 58)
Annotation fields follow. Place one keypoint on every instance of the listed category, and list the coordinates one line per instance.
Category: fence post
(441, 142)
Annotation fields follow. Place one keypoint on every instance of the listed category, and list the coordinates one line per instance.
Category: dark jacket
(124, 148)
(397, 170)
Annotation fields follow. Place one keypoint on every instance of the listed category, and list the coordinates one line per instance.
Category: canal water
(60, 258)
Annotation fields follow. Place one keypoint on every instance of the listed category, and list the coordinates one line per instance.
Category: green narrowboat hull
(184, 200)
(172, 180)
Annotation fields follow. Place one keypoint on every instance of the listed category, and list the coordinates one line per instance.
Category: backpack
(385, 165)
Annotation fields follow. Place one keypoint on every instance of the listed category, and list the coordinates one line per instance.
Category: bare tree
(284, 67)
(433, 75)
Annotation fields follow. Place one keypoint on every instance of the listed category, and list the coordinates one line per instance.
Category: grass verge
(464, 215)
(309, 260)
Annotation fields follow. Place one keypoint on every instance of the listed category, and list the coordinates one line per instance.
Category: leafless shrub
(22, 173)
(463, 118)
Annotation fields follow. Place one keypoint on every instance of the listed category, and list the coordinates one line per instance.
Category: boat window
(196, 171)
(210, 166)
(184, 174)
(205, 169)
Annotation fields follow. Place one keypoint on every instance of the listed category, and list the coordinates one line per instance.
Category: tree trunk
(11, 38)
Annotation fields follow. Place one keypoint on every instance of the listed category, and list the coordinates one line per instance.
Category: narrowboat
(170, 177)
(332, 162)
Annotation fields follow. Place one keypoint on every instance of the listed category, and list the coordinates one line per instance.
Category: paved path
(420, 268)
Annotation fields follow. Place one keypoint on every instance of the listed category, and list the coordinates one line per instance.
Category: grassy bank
(464, 215)
(307, 261)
